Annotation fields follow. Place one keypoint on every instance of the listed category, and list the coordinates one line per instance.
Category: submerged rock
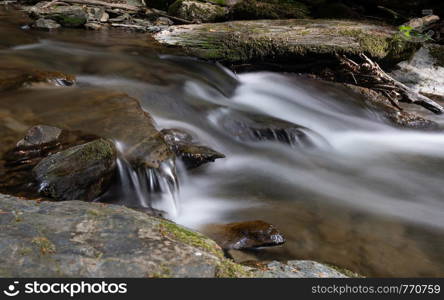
(40, 134)
(253, 127)
(14, 78)
(192, 154)
(197, 11)
(82, 172)
(80, 239)
(245, 235)
(286, 40)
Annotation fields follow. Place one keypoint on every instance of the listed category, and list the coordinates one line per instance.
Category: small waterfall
(150, 188)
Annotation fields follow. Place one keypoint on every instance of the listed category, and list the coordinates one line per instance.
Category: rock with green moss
(67, 16)
(287, 40)
(83, 239)
(198, 11)
(82, 172)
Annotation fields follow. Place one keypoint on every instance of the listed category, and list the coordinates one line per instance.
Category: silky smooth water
(366, 196)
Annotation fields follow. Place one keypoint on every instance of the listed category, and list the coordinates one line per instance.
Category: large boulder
(198, 11)
(82, 172)
(81, 239)
(302, 40)
(299, 269)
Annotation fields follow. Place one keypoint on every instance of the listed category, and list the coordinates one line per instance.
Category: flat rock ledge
(83, 239)
(79, 239)
(262, 40)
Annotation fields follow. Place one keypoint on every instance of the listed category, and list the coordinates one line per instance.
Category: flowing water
(364, 195)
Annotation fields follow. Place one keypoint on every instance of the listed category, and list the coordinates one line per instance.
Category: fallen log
(369, 74)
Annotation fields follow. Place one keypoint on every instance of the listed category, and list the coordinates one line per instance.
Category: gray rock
(40, 134)
(192, 154)
(67, 16)
(197, 11)
(46, 24)
(424, 72)
(79, 173)
(81, 239)
(298, 269)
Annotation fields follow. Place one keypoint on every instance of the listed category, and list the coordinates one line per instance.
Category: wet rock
(295, 40)
(162, 21)
(40, 134)
(81, 239)
(255, 10)
(298, 269)
(41, 141)
(424, 72)
(93, 26)
(14, 78)
(46, 24)
(92, 111)
(197, 11)
(245, 235)
(251, 127)
(192, 154)
(67, 16)
(78, 173)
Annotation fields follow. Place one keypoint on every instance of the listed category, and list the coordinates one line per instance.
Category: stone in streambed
(67, 16)
(82, 172)
(40, 134)
(249, 127)
(245, 235)
(197, 11)
(14, 78)
(192, 154)
(102, 113)
(47, 24)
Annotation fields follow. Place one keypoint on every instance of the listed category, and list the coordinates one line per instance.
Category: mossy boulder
(287, 40)
(67, 16)
(82, 172)
(198, 11)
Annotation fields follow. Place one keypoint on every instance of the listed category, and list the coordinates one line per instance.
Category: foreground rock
(298, 269)
(192, 154)
(245, 235)
(82, 172)
(80, 239)
(286, 40)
